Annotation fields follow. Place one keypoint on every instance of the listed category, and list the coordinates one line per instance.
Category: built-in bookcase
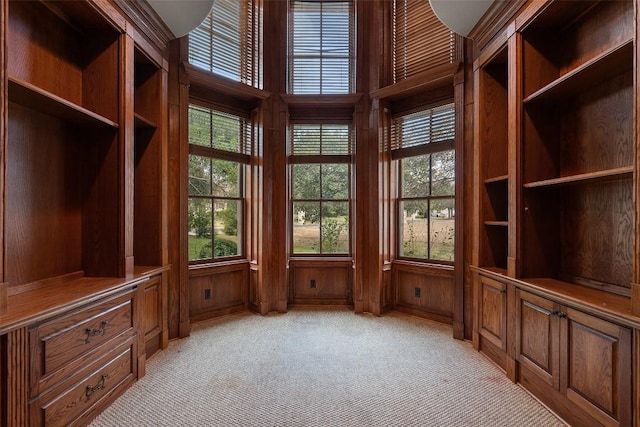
(150, 163)
(63, 188)
(492, 117)
(578, 145)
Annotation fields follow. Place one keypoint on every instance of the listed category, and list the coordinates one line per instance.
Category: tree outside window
(320, 189)
(422, 145)
(216, 184)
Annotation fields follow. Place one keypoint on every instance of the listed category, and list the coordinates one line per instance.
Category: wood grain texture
(17, 376)
(537, 337)
(227, 286)
(492, 307)
(597, 235)
(598, 357)
(332, 282)
(60, 347)
(42, 176)
(436, 289)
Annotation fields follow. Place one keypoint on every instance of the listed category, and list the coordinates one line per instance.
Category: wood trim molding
(436, 77)
(208, 80)
(148, 22)
(499, 14)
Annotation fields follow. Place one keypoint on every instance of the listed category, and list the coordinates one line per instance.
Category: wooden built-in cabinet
(491, 155)
(555, 147)
(83, 207)
(577, 364)
(491, 336)
(578, 145)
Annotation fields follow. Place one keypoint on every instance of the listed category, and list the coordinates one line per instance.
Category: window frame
(399, 153)
(351, 55)
(242, 158)
(320, 159)
(250, 45)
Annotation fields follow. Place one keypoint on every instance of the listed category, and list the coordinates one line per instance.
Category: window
(229, 41)
(321, 53)
(422, 146)
(320, 188)
(410, 57)
(218, 153)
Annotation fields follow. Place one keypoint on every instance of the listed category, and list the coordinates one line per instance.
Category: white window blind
(424, 127)
(229, 41)
(218, 130)
(321, 139)
(420, 40)
(321, 52)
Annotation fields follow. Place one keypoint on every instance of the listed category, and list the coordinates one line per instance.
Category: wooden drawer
(90, 389)
(61, 346)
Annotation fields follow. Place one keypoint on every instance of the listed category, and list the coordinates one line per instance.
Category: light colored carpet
(323, 368)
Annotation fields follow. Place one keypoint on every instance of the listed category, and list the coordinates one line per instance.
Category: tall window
(416, 49)
(229, 41)
(218, 153)
(422, 145)
(321, 52)
(320, 188)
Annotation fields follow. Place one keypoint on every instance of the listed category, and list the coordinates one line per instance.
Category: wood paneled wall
(424, 291)
(273, 280)
(218, 290)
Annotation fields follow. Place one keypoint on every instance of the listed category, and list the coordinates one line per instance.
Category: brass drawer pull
(92, 332)
(92, 389)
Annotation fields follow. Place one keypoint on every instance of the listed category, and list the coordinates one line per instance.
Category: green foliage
(229, 219)
(222, 248)
(199, 217)
(330, 231)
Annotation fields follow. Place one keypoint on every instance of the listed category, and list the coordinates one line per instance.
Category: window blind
(218, 130)
(424, 127)
(228, 41)
(320, 139)
(321, 52)
(420, 40)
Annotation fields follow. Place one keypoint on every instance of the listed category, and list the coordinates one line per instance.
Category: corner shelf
(615, 174)
(33, 97)
(497, 223)
(142, 122)
(608, 64)
(503, 179)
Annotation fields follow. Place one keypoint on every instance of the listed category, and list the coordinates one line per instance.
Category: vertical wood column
(470, 193)
(4, 11)
(272, 291)
(460, 138)
(368, 277)
(127, 156)
(18, 378)
(178, 158)
(635, 285)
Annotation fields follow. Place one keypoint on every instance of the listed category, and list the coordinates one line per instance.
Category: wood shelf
(603, 67)
(502, 179)
(30, 96)
(615, 174)
(497, 223)
(438, 76)
(142, 122)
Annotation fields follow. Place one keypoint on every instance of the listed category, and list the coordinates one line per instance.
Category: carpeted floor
(323, 368)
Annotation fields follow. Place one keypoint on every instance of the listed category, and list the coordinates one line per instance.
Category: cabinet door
(537, 337)
(596, 371)
(152, 315)
(493, 311)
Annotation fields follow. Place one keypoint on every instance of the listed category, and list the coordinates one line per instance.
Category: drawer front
(65, 339)
(77, 397)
